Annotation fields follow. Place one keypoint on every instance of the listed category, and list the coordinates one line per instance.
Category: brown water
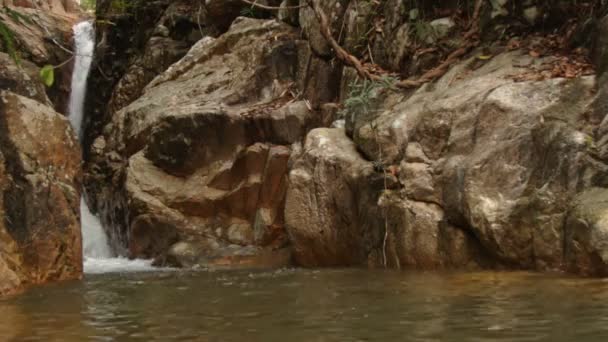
(306, 305)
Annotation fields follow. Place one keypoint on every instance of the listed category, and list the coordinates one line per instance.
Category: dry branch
(271, 8)
(470, 37)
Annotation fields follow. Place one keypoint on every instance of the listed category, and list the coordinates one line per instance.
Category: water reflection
(304, 305)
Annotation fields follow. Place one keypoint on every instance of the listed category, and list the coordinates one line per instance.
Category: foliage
(364, 95)
(120, 6)
(88, 5)
(19, 18)
(251, 12)
(7, 36)
(47, 74)
(8, 39)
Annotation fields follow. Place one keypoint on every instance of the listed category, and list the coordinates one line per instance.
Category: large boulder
(194, 171)
(340, 211)
(324, 202)
(39, 195)
(479, 170)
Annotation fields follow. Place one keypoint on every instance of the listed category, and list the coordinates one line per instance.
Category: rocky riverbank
(224, 155)
(218, 134)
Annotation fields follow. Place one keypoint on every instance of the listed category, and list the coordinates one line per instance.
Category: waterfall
(98, 256)
(94, 239)
(84, 41)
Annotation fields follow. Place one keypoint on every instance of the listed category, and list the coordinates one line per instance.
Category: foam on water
(116, 265)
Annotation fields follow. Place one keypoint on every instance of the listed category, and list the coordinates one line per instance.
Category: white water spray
(98, 256)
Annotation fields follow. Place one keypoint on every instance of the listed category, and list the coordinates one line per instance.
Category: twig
(198, 18)
(48, 32)
(64, 62)
(272, 8)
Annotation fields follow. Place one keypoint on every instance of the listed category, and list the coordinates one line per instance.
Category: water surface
(309, 305)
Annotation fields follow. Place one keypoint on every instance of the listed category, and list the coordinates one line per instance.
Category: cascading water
(84, 41)
(98, 256)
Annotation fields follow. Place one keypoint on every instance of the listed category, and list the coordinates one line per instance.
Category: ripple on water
(303, 305)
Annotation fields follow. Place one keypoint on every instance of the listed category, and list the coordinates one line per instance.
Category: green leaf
(47, 73)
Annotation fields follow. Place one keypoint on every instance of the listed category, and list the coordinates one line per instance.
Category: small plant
(8, 39)
(363, 95)
(120, 6)
(251, 12)
(17, 17)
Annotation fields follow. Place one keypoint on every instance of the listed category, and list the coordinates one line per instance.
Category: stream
(310, 305)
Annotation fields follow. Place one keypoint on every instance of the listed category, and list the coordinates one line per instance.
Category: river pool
(310, 305)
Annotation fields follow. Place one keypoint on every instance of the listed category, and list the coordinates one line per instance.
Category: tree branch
(350, 60)
(341, 54)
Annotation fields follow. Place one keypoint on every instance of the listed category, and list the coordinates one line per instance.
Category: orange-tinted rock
(40, 161)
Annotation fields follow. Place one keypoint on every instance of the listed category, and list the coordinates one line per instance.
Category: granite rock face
(479, 161)
(222, 158)
(211, 171)
(40, 195)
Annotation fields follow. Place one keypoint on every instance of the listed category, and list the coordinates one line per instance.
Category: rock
(36, 41)
(207, 254)
(472, 156)
(400, 48)
(288, 13)
(322, 205)
(587, 234)
(334, 10)
(142, 42)
(338, 210)
(23, 79)
(357, 23)
(442, 27)
(417, 179)
(531, 15)
(318, 78)
(210, 173)
(40, 195)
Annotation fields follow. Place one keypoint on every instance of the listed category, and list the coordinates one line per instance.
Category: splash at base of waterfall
(98, 257)
(116, 265)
